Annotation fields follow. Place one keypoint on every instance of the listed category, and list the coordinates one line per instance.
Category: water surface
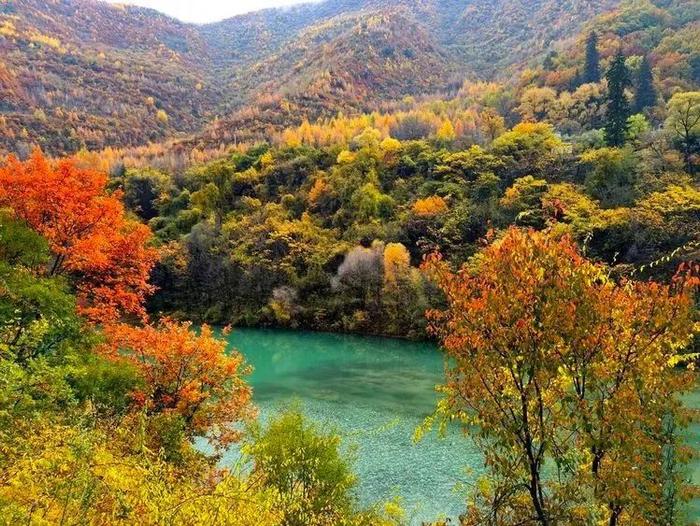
(375, 392)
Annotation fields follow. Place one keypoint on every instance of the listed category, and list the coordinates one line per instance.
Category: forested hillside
(329, 236)
(82, 73)
(87, 74)
(666, 33)
(358, 140)
(485, 37)
(598, 139)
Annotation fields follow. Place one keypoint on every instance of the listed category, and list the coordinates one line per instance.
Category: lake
(375, 392)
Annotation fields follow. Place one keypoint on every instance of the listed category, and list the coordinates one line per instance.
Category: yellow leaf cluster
(317, 190)
(430, 206)
(162, 117)
(7, 29)
(397, 262)
(39, 38)
(76, 476)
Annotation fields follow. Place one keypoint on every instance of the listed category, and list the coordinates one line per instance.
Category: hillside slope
(83, 73)
(666, 32)
(350, 55)
(485, 36)
(350, 64)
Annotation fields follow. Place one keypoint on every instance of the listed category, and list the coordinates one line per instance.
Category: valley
(350, 263)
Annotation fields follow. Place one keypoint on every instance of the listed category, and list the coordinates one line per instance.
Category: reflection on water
(375, 392)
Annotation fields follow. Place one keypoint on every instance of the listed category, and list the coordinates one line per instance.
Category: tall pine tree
(591, 70)
(645, 93)
(618, 106)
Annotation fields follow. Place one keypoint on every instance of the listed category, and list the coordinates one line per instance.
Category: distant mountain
(350, 63)
(485, 35)
(82, 73)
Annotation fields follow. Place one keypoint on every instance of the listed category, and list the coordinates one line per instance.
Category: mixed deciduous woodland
(516, 180)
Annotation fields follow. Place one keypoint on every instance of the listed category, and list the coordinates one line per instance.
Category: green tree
(548, 63)
(618, 106)
(530, 148)
(304, 464)
(645, 93)
(637, 126)
(143, 191)
(522, 203)
(611, 175)
(37, 313)
(591, 69)
(683, 122)
(575, 81)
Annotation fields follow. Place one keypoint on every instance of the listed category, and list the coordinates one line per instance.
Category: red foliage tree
(90, 236)
(186, 374)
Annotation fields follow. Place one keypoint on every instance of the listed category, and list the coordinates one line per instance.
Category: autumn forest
(510, 186)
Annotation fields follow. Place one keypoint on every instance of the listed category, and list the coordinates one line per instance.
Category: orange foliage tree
(556, 364)
(88, 232)
(430, 206)
(186, 374)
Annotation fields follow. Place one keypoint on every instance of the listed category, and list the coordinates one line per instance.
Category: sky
(202, 11)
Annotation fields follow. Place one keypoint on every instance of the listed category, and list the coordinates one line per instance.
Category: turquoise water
(693, 437)
(375, 392)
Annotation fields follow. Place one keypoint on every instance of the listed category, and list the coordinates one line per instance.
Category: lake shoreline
(219, 325)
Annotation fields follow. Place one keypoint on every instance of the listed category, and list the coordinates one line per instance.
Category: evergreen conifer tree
(548, 63)
(575, 81)
(645, 93)
(618, 110)
(591, 70)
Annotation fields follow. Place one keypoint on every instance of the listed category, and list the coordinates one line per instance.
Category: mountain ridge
(87, 74)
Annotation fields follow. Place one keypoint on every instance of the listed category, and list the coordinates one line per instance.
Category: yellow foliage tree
(556, 364)
(397, 262)
(317, 190)
(76, 476)
(162, 117)
(430, 206)
(446, 132)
